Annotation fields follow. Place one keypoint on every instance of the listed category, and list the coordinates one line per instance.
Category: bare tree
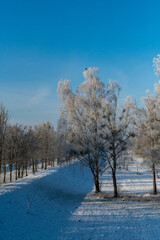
(83, 111)
(15, 146)
(45, 135)
(148, 138)
(99, 127)
(3, 126)
(61, 143)
(116, 129)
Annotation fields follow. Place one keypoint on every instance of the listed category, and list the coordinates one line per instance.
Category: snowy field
(62, 206)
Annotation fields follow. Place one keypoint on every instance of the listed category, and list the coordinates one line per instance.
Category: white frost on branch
(156, 64)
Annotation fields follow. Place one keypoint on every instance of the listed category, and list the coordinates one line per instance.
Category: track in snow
(59, 209)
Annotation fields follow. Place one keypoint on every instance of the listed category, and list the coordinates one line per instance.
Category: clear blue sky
(42, 42)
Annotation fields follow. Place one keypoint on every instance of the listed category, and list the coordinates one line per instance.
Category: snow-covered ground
(53, 196)
(61, 206)
(135, 218)
(29, 172)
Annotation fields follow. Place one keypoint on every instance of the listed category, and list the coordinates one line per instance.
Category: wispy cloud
(40, 95)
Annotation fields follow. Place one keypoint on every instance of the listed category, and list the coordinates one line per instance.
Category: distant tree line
(23, 147)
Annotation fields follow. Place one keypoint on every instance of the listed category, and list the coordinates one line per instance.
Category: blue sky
(42, 42)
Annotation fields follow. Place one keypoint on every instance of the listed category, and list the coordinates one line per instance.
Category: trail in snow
(53, 196)
(59, 209)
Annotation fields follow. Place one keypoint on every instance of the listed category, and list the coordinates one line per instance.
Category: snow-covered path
(53, 195)
(59, 209)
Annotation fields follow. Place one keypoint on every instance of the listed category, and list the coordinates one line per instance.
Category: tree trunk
(42, 166)
(33, 165)
(16, 171)
(19, 172)
(36, 165)
(4, 172)
(26, 165)
(10, 170)
(0, 160)
(154, 179)
(26, 172)
(45, 164)
(96, 183)
(49, 161)
(114, 183)
(22, 171)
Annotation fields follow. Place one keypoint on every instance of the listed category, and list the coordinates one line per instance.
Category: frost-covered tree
(148, 139)
(98, 126)
(156, 64)
(61, 143)
(11, 148)
(29, 150)
(45, 135)
(14, 149)
(3, 126)
(116, 128)
(83, 111)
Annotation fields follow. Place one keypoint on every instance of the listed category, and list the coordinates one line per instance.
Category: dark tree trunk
(10, 170)
(4, 172)
(49, 161)
(114, 183)
(36, 165)
(154, 179)
(45, 164)
(26, 172)
(42, 166)
(58, 161)
(16, 166)
(96, 183)
(19, 172)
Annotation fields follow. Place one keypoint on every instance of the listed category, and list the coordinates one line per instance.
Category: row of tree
(101, 127)
(147, 142)
(23, 147)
